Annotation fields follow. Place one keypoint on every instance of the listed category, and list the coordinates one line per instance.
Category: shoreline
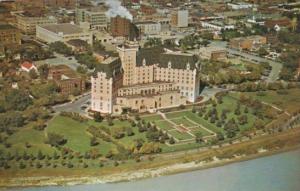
(137, 175)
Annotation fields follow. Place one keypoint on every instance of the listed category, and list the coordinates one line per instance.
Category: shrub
(74, 116)
(56, 139)
(194, 110)
(38, 165)
(116, 163)
(22, 165)
(94, 141)
(70, 165)
(171, 141)
(97, 117)
(129, 132)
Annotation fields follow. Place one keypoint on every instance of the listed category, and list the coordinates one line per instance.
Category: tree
(97, 46)
(259, 124)
(149, 148)
(33, 74)
(40, 155)
(152, 136)
(220, 136)
(56, 139)
(94, 141)
(17, 99)
(81, 70)
(294, 24)
(43, 71)
(97, 117)
(55, 155)
(171, 141)
(204, 43)
(152, 42)
(88, 60)
(262, 52)
(22, 165)
(129, 132)
(60, 48)
(199, 137)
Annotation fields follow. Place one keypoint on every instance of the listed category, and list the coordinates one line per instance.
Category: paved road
(276, 66)
(74, 106)
(208, 93)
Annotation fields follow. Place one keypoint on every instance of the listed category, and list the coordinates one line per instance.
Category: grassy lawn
(152, 117)
(164, 125)
(128, 141)
(35, 138)
(77, 135)
(176, 114)
(203, 122)
(179, 147)
(289, 101)
(200, 130)
(74, 132)
(180, 135)
(183, 121)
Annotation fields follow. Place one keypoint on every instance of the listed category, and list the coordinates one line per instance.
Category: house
(28, 66)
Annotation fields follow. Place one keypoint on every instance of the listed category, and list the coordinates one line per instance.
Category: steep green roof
(151, 55)
(112, 67)
(156, 55)
(178, 61)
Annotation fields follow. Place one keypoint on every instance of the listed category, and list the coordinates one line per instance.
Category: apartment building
(9, 35)
(27, 22)
(95, 17)
(145, 80)
(149, 27)
(180, 18)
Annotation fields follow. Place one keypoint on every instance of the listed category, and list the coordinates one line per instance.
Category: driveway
(74, 106)
(208, 93)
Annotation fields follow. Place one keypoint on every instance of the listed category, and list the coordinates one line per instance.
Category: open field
(289, 101)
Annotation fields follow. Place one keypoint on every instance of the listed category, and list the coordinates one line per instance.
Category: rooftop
(64, 28)
(111, 66)
(157, 55)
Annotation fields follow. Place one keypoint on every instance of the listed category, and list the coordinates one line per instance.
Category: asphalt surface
(74, 106)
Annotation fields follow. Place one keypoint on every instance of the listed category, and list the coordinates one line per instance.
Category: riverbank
(205, 159)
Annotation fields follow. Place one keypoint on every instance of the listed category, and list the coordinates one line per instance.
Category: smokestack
(116, 9)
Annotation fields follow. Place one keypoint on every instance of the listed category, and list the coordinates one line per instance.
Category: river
(279, 172)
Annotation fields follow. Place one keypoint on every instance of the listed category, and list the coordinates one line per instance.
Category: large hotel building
(145, 80)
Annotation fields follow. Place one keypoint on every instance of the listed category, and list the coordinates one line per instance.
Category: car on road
(83, 107)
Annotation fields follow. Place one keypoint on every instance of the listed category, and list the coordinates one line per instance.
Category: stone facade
(151, 79)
